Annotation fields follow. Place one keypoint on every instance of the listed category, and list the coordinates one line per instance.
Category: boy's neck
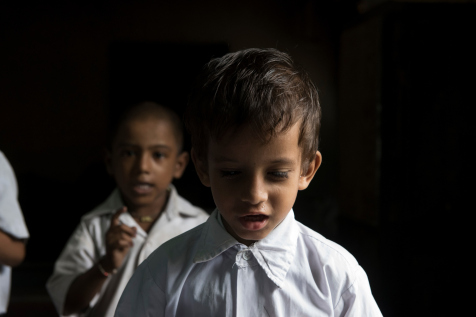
(146, 215)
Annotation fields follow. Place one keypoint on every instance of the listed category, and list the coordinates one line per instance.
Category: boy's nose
(143, 163)
(254, 192)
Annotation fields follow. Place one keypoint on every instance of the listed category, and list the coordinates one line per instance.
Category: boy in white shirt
(142, 213)
(13, 230)
(254, 119)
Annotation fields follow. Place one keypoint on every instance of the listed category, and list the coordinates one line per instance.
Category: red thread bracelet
(104, 272)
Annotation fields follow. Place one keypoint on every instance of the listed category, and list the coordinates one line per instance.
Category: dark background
(395, 80)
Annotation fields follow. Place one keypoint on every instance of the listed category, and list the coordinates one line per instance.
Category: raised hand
(118, 242)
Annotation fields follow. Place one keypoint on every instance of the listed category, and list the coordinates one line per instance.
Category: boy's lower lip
(254, 222)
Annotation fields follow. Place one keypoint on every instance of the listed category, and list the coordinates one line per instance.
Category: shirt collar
(214, 240)
(177, 206)
(112, 203)
(275, 253)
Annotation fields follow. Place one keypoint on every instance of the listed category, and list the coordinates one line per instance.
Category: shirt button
(246, 255)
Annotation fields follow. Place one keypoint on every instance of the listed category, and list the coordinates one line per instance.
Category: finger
(124, 237)
(116, 233)
(115, 217)
(131, 231)
(119, 236)
(122, 244)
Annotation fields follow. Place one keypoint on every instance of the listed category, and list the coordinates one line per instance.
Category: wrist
(106, 268)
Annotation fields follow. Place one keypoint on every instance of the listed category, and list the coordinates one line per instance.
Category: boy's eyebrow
(284, 161)
(160, 146)
(221, 159)
(150, 147)
(126, 144)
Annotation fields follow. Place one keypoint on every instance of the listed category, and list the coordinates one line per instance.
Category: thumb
(115, 217)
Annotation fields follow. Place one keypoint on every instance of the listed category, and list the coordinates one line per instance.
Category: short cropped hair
(149, 109)
(262, 88)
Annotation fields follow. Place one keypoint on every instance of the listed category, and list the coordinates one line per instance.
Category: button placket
(246, 255)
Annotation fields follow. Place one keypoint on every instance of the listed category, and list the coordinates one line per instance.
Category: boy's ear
(108, 161)
(180, 164)
(201, 168)
(307, 176)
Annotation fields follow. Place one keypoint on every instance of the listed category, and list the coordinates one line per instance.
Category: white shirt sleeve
(142, 297)
(357, 300)
(11, 217)
(77, 257)
(11, 222)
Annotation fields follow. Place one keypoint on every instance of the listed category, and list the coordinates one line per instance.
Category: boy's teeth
(143, 187)
(255, 217)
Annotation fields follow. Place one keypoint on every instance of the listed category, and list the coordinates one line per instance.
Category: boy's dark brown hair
(262, 88)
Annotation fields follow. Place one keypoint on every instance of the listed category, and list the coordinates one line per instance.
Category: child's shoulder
(106, 208)
(175, 256)
(183, 245)
(188, 209)
(328, 251)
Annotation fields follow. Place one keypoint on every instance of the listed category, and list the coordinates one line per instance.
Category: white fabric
(294, 271)
(87, 245)
(11, 222)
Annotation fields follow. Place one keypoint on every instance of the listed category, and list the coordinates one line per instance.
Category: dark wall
(429, 76)
(405, 94)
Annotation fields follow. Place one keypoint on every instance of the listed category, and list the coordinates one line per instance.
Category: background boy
(254, 120)
(109, 243)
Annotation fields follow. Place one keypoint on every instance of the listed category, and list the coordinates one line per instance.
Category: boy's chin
(139, 202)
(250, 238)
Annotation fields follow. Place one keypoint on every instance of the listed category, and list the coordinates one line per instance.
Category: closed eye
(158, 155)
(280, 174)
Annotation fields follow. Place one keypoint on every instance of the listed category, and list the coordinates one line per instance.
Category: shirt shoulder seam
(348, 288)
(329, 246)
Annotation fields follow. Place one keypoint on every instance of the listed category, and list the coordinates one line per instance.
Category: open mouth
(254, 222)
(142, 188)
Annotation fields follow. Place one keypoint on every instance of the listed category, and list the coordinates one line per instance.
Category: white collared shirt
(294, 271)
(87, 245)
(11, 222)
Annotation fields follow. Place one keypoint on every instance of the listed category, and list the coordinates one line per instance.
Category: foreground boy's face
(144, 160)
(254, 185)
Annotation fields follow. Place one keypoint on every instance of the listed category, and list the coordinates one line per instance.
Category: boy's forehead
(144, 128)
(235, 139)
(246, 133)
